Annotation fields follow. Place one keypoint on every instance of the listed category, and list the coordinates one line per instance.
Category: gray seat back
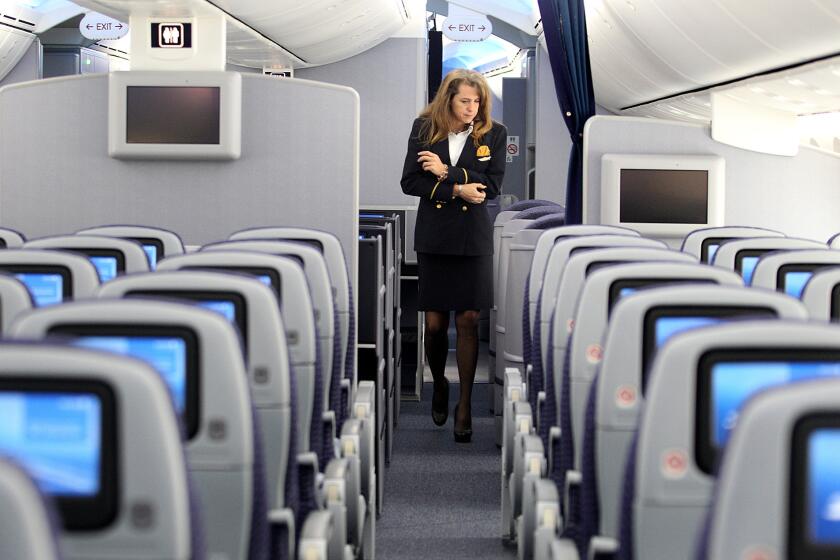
(320, 290)
(265, 348)
(542, 251)
(557, 260)
(147, 502)
(601, 288)
(11, 239)
(741, 255)
(789, 271)
(51, 276)
(27, 530)
(295, 308)
(820, 297)
(767, 505)
(673, 481)
(165, 243)
(336, 263)
(221, 445)
(14, 299)
(704, 243)
(131, 253)
(628, 339)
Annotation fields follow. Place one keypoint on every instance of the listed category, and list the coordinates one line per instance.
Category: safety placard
(512, 148)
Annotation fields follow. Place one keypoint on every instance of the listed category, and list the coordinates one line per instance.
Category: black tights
(466, 352)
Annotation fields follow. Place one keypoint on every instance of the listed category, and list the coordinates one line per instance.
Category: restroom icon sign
(171, 35)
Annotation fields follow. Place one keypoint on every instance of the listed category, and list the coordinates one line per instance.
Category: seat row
(588, 360)
(259, 394)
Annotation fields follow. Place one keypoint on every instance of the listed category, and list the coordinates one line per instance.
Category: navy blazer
(447, 225)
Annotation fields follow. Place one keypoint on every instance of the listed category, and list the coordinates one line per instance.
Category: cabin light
(822, 91)
(780, 98)
(631, 5)
(836, 71)
(796, 82)
(757, 89)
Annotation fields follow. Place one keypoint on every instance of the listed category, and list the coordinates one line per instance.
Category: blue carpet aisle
(442, 499)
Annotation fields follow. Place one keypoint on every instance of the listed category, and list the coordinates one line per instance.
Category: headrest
(158, 243)
(538, 212)
(314, 266)
(326, 242)
(250, 304)
(532, 203)
(27, 530)
(581, 265)
(776, 494)
(110, 255)
(731, 253)
(293, 295)
(51, 276)
(559, 256)
(133, 477)
(14, 299)
(549, 221)
(11, 239)
(698, 241)
(199, 349)
(789, 271)
(822, 295)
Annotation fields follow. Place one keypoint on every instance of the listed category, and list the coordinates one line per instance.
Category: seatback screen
(726, 381)
(267, 276)
(814, 518)
(64, 434)
(57, 437)
(626, 286)
(168, 355)
(171, 351)
(106, 267)
(791, 278)
(173, 115)
(746, 261)
(151, 255)
(664, 196)
(709, 247)
(45, 288)
(662, 323)
(226, 309)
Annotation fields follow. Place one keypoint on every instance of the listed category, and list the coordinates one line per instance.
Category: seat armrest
(347, 395)
(602, 548)
(315, 536)
(540, 405)
(553, 437)
(573, 482)
(564, 549)
(283, 520)
(328, 419)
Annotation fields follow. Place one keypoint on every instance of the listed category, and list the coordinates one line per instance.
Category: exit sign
(467, 28)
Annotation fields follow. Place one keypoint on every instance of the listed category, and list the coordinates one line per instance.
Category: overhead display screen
(172, 115)
(664, 196)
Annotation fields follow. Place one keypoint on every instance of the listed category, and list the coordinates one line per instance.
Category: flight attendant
(455, 162)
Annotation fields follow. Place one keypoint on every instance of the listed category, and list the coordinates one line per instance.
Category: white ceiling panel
(643, 50)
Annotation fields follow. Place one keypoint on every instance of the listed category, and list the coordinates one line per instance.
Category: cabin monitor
(169, 115)
(662, 195)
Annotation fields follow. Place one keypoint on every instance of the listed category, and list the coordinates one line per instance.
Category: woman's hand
(473, 193)
(431, 163)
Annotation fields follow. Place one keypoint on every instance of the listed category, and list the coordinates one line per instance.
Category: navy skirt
(454, 282)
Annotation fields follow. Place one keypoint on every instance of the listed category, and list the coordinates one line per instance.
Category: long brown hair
(438, 114)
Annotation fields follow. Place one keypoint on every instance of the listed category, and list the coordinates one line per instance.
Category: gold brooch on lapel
(483, 151)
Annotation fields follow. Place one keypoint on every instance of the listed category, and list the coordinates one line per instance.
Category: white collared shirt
(457, 143)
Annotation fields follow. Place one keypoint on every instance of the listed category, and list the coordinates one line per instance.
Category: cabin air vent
(12, 21)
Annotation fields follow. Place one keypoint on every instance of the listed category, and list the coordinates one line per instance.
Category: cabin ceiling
(294, 33)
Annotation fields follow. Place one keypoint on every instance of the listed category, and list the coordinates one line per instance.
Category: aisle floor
(442, 499)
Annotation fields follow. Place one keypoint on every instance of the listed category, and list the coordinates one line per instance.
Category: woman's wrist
(456, 190)
(444, 174)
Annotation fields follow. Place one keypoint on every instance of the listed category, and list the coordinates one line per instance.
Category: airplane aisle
(442, 498)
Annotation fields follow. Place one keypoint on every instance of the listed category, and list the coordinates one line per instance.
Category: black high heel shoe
(440, 404)
(465, 435)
